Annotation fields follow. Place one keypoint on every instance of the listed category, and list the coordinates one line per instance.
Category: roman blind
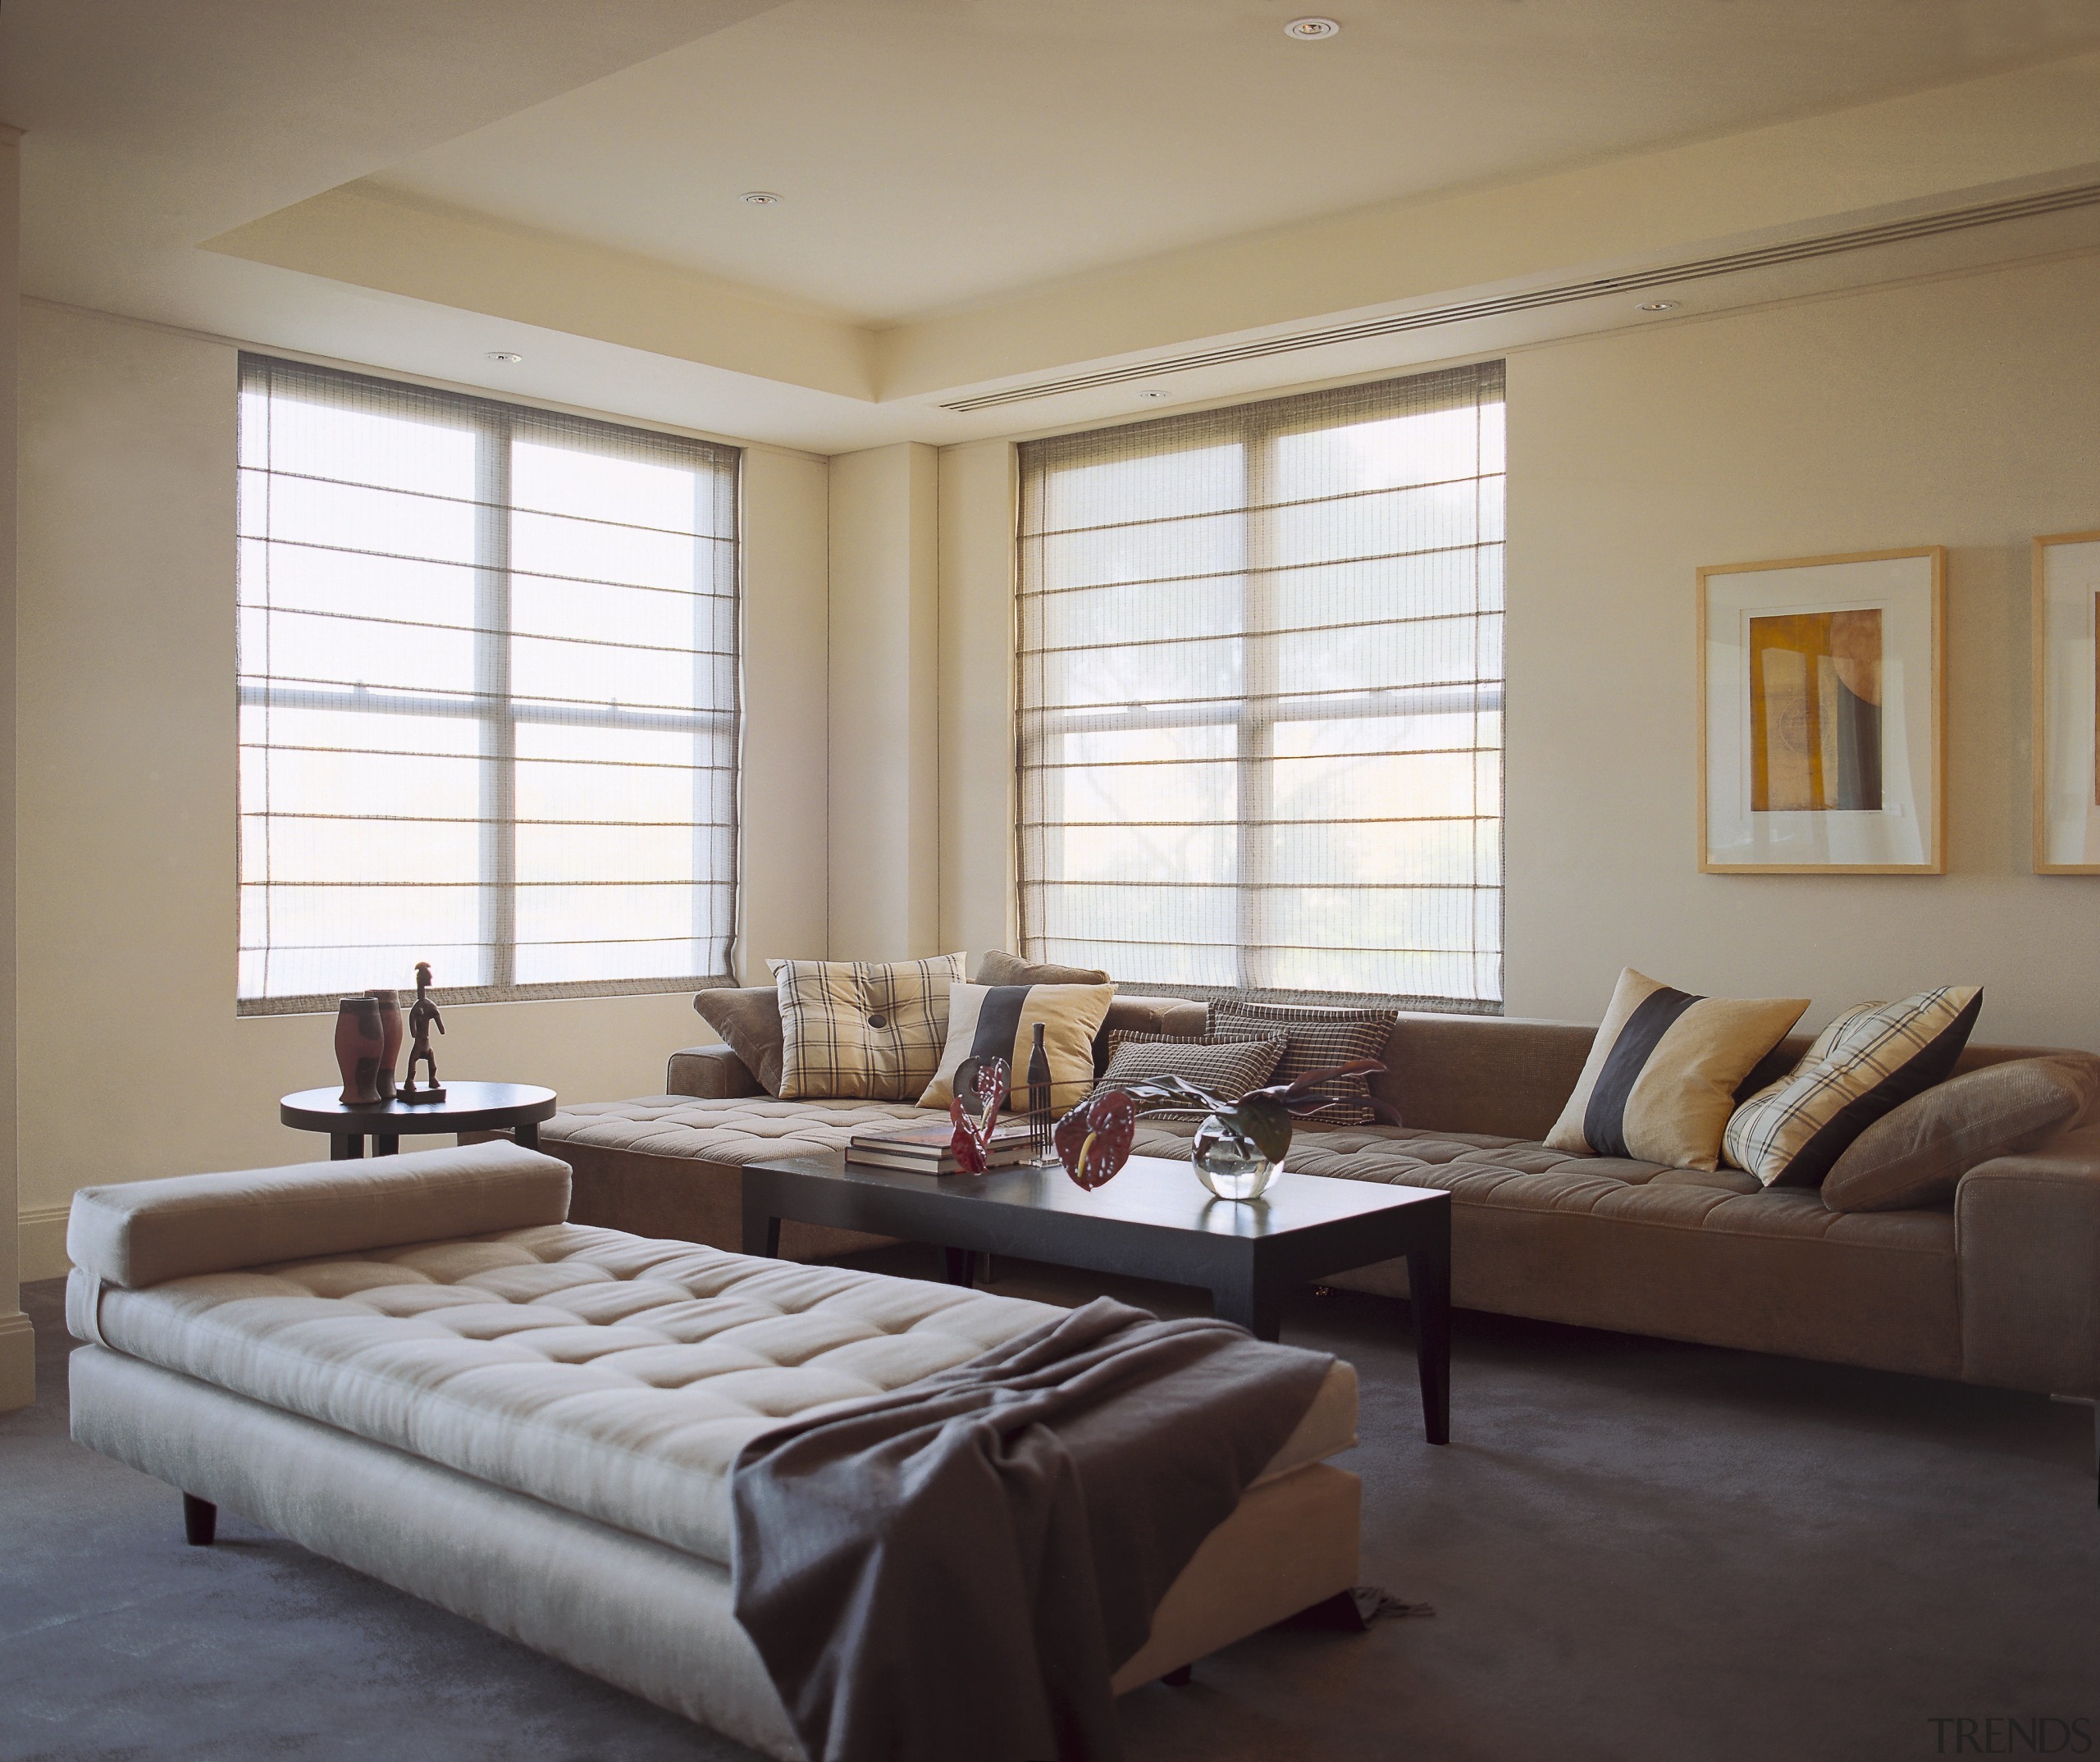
(1260, 696)
(488, 696)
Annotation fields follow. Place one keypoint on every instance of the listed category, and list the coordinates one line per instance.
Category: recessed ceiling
(935, 152)
(984, 194)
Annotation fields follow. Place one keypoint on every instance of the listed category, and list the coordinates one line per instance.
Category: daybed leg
(200, 1521)
(1180, 1677)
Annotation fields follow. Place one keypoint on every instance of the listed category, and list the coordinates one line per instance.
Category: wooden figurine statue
(422, 1017)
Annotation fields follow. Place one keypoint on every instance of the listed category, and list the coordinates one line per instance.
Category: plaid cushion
(1319, 1039)
(857, 1030)
(1227, 1068)
(1869, 1062)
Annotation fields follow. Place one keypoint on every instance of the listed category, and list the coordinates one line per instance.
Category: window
(1260, 694)
(488, 689)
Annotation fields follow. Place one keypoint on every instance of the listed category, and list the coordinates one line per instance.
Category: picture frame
(1822, 714)
(2066, 703)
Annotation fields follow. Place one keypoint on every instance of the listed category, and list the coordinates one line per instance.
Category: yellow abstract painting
(1815, 712)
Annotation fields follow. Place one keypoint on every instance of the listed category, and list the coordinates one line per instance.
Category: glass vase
(1228, 1164)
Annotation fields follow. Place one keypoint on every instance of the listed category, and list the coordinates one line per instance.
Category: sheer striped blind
(1260, 696)
(488, 689)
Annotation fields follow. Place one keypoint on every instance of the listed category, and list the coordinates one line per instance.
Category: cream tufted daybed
(416, 1366)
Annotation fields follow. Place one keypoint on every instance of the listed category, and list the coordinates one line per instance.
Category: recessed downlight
(505, 357)
(1658, 305)
(1311, 30)
(1152, 395)
(760, 198)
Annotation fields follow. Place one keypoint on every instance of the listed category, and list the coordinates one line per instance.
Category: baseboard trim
(17, 1362)
(43, 1240)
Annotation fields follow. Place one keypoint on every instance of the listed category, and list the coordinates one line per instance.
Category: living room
(1668, 316)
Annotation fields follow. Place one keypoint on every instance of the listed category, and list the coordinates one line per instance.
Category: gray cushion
(748, 1018)
(145, 1232)
(1000, 968)
(1916, 1154)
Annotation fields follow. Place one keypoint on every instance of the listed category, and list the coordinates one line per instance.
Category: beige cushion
(1865, 1064)
(608, 1375)
(748, 1019)
(1916, 1155)
(1000, 968)
(854, 1029)
(998, 1021)
(1661, 1078)
(147, 1231)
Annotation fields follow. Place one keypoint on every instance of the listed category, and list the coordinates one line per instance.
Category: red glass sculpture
(986, 1084)
(1094, 1139)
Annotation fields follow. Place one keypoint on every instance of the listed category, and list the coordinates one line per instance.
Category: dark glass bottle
(1039, 1095)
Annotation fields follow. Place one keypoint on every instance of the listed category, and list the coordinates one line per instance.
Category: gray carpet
(1637, 1550)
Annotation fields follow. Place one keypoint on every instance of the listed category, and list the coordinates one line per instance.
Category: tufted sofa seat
(635, 1161)
(608, 1375)
(1643, 1247)
(534, 1424)
(2001, 1287)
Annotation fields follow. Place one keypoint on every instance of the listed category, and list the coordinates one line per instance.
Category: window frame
(1254, 711)
(497, 424)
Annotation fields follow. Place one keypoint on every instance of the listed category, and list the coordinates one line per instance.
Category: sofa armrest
(713, 1073)
(2027, 1248)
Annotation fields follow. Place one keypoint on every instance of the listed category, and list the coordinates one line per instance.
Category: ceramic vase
(1228, 1164)
(389, 1025)
(360, 1043)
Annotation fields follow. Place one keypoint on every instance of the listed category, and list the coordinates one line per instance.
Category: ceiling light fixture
(1151, 396)
(1658, 305)
(1311, 30)
(759, 198)
(505, 357)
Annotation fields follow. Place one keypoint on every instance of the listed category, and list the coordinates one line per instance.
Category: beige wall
(134, 1063)
(1958, 412)
(977, 696)
(17, 1344)
(885, 704)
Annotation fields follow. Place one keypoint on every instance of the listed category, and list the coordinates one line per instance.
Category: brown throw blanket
(953, 1572)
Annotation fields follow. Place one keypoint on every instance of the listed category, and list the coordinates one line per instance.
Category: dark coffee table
(515, 1108)
(1152, 1221)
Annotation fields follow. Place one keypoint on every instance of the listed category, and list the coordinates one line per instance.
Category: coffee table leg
(345, 1146)
(526, 1137)
(1255, 1303)
(384, 1147)
(762, 1235)
(1429, 1285)
(956, 1265)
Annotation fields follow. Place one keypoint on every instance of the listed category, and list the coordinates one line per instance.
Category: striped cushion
(1228, 1068)
(1661, 1078)
(1868, 1062)
(1319, 1039)
(855, 1030)
(989, 1021)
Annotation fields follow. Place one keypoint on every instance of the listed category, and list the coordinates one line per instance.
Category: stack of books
(925, 1149)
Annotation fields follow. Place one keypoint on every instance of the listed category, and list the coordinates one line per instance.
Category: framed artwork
(2066, 704)
(1822, 686)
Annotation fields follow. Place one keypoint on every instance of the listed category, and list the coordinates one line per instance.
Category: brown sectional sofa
(2002, 1287)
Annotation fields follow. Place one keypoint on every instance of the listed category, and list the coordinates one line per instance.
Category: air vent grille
(1799, 250)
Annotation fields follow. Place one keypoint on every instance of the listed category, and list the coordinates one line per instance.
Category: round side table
(515, 1108)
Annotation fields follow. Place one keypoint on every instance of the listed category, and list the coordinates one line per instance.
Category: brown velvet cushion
(1914, 1156)
(748, 1018)
(1000, 968)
